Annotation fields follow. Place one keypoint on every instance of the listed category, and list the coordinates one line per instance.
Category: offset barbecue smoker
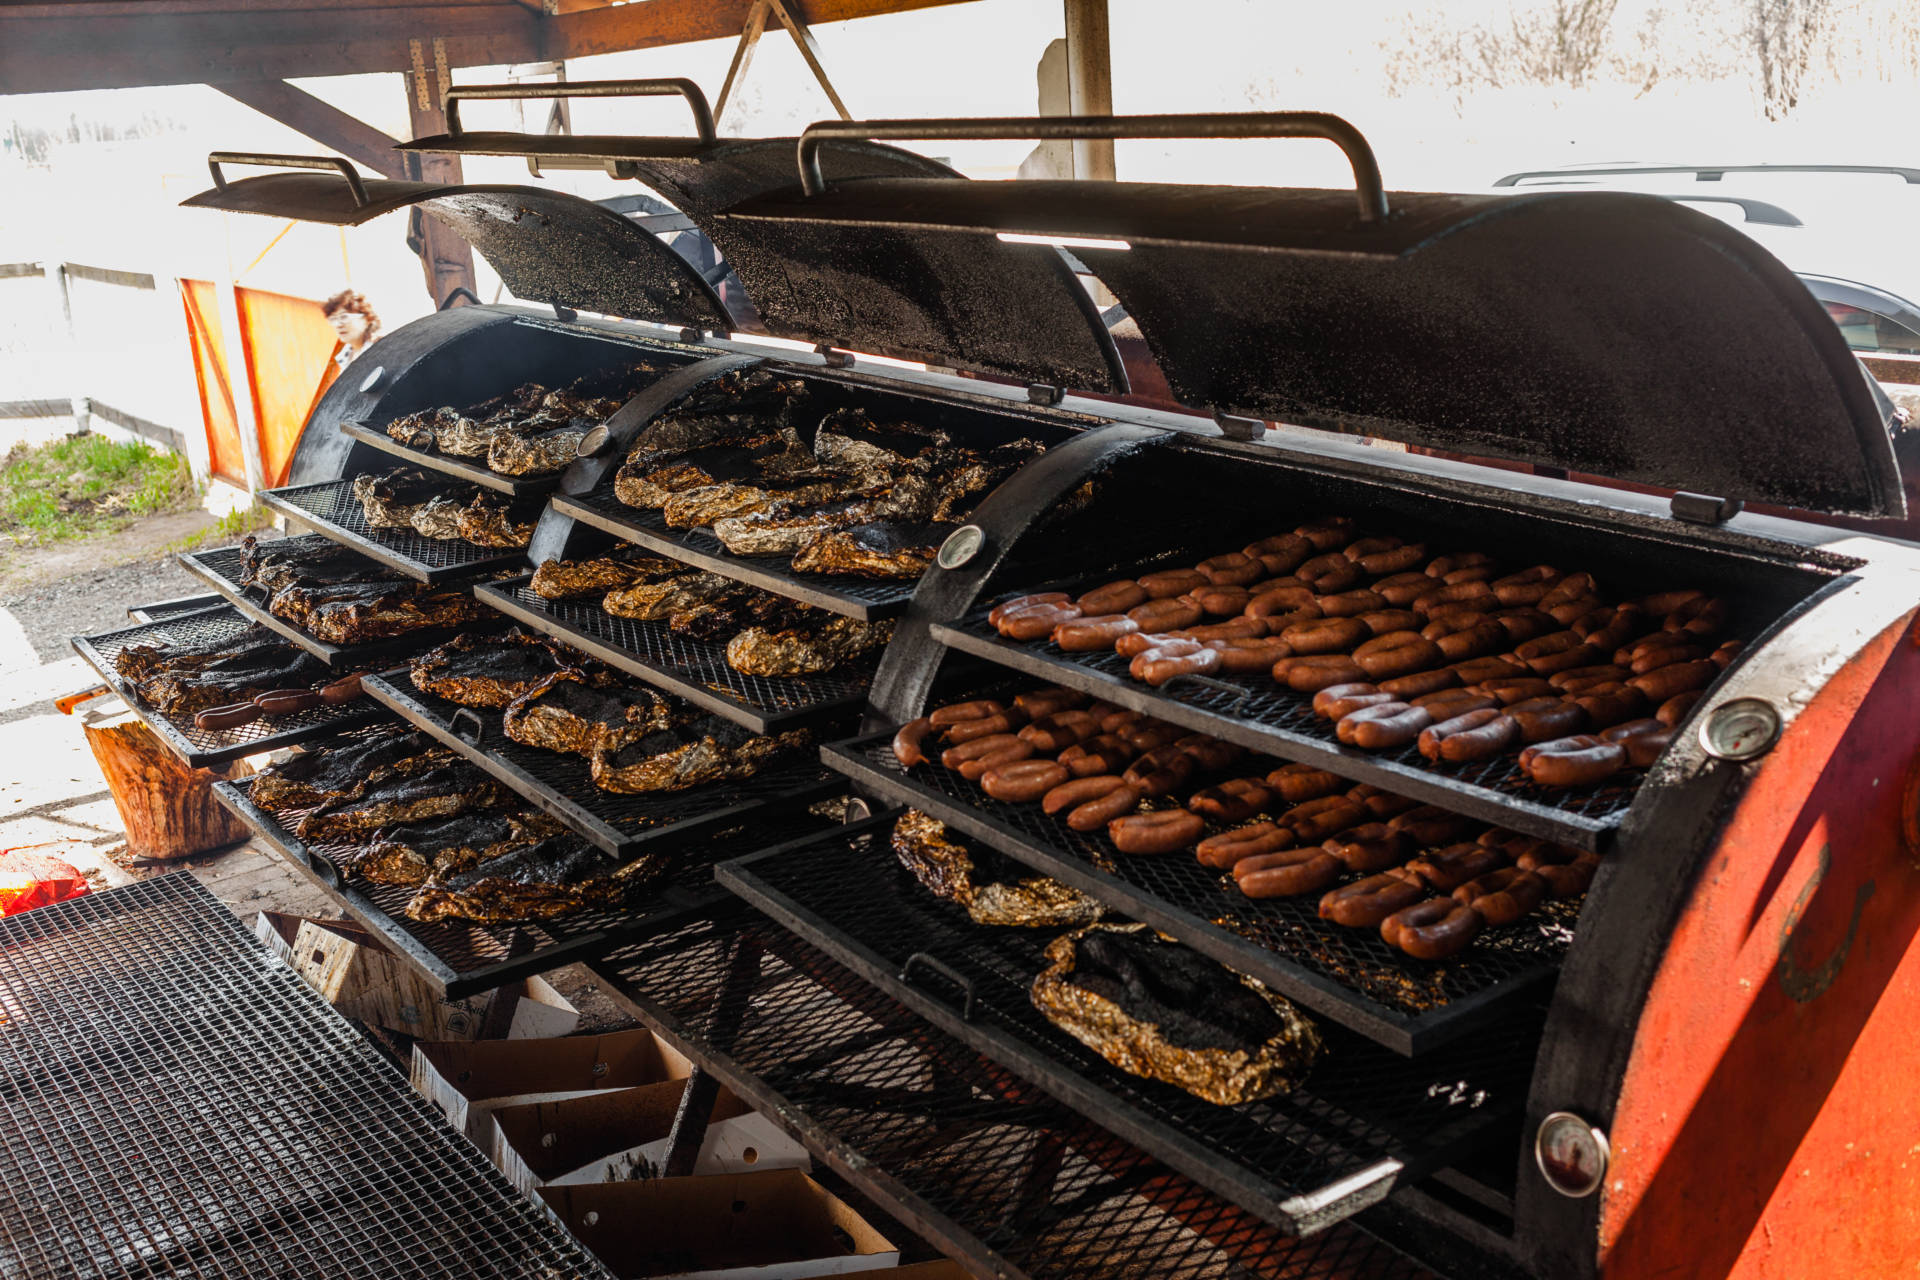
(1686, 1072)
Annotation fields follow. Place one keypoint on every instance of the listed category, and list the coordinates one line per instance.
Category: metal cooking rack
(559, 783)
(222, 568)
(1260, 715)
(330, 508)
(1348, 975)
(178, 1104)
(445, 463)
(173, 607)
(861, 598)
(1360, 1125)
(992, 1170)
(696, 670)
(463, 957)
(207, 748)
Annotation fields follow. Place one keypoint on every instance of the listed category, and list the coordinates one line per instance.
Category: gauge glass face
(1740, 730)
(1571, 1155)
(962, 545)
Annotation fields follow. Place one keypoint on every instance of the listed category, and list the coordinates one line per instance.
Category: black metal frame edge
(952, 1239)
(499, 595)
(1407, 1035)
(1464, 798)
(486, 477)
(383, 689)
(456, 983)
(1238, 1183)
(194, 757)
(727, 566)
(375, 550)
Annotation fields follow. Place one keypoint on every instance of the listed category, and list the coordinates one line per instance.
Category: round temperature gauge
(962, 545)
(1742, 729)
(1572, 1155)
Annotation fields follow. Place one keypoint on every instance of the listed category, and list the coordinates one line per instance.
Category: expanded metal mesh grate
(171, 608)
(224, 567)
(475, 472)
(462, 957)
(1290, 716)
(683, 665)
(1348, 974)
(177, 1103)
(856, 597)
(847, 893)
(332, 505)
(562, 784)
(990, 1168)
(199, 747)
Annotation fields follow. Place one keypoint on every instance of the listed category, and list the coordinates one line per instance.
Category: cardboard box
(622, 1136)
(749, 1226)
(941, 1270)
(356, 973)
(470, 1080)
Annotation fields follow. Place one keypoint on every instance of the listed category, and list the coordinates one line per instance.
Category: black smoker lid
(547, 246)
(1613, 334)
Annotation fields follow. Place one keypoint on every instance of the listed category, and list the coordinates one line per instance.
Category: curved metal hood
(547, 246)
(1613, 334)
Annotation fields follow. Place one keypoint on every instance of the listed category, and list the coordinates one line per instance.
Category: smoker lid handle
(1368, 191)
(321, 163)
(672, 86)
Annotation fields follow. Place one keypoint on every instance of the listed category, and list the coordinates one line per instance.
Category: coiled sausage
(1162, 831)
(1578, 761)
(1432, 930)
(1227, 848)
(1286, 873)
(1365, 903)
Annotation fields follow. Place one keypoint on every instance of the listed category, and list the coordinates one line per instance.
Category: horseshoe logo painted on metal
(1803, 985)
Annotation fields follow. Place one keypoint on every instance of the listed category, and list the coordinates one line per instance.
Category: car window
(1867, 330)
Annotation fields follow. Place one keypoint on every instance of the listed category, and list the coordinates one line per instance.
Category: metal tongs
(279, 702)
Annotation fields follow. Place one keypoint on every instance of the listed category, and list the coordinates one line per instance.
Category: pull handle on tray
(945, 970)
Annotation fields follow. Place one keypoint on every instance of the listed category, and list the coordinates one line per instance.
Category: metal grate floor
(695, 669)
(1350, 975)
(1256, 712)
(178, 1103)
(331, 507)
(201, 748)
(223, 568)
(561, 785)
(463, 957)
(1360, 1109)
(862, 598)
(989, 1168)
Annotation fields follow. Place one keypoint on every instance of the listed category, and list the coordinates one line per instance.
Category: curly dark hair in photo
(349, 300)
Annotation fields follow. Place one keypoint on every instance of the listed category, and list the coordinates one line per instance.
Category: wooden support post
(742, 57)
(326, 124)
(168, 810)
(1090, 84)
(446, 258)
(803, 37)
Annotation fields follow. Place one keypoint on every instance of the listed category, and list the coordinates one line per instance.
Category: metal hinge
(835, 359)
(1235, 427)
(1043, 393)
(692, 336)
(1700, 508)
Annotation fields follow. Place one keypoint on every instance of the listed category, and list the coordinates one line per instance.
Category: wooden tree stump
(167, 809)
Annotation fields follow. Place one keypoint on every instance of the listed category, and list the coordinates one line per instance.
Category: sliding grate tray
(179, 1103)
(462, 468)
(696, 670)
(1348, 975)
(206, 748)
(561, 785)
(223, 568)
(990, 1169)
(1258, 714)
(862, 598)
(331, 508)
(172, 608)
(1363, 1122)
(461, 957)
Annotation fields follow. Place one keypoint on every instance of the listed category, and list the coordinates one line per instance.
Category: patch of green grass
(226, 529)
(83, 485)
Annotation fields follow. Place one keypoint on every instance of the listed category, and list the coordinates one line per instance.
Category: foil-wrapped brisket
(804, 650)
(706, 749)
(390, 498)
(491, 520)
(1154, 1008)
(882, 550)
(571, 579)
(537, 453)
(659, 600)
(992, 892)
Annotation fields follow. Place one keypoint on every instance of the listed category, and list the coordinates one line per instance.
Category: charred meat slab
(332, 772)
(882, 550)
(362, 612)
(411, 853)
(571, 579)
(707, 749)
(537, 453)
(658, 601)
(396, 797)
(992, 892)
(557, 876)
(390, 499)
(275, 565)
(490, 520)
(564, 713)
(491, 671)
(249, 669)
(138, 661)
(1154, 1008)
(804, 650)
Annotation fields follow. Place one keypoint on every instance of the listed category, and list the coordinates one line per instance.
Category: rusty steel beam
(326, 124)
(445, 257)
(654, 23)
(87, 50)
